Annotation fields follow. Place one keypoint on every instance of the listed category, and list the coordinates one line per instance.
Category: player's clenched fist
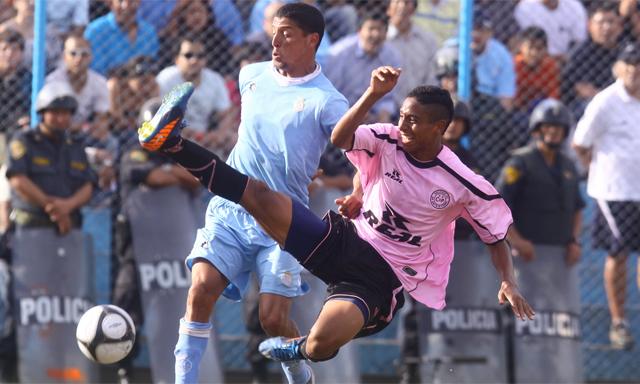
(383, 79)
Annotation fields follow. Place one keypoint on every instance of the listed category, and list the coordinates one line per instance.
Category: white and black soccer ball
(105, 334)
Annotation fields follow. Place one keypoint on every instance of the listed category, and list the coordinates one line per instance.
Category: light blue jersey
(284, 129)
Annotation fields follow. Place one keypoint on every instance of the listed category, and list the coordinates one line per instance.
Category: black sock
(303, 352)
(213, 173)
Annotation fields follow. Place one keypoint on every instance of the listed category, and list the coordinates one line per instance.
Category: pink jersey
(410, 208)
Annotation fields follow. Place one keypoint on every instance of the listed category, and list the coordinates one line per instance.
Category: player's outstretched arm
(383, 79)
(509, 291)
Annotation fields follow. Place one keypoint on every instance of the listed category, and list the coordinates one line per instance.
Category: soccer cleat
(282, 349)
(163, 131)
(620, 336)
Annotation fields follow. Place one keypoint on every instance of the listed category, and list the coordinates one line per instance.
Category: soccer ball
(105, 334)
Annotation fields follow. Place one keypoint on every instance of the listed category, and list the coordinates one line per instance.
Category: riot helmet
(56, 95)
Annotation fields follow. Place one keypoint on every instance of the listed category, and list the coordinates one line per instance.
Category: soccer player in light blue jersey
(289, 109)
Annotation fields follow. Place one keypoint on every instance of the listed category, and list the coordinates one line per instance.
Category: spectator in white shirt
(208, 111)
(607, 139)
(89, 87)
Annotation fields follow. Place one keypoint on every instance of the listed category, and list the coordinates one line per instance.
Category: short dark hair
(192, 38)
(437, 100)
(373, 14)
(534, 34)
(11, 36)
(414, 2)
(305, 16)
(603, 6)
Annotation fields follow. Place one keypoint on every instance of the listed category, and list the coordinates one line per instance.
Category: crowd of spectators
(118, 54)
(524, 51)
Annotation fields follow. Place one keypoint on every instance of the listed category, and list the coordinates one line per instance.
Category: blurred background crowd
(117, 58)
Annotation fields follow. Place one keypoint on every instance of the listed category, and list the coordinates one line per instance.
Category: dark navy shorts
(354, 271)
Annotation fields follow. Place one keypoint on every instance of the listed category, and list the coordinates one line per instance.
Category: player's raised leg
(273, 210)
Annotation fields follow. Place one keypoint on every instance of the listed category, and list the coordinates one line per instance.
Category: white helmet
(56, 95)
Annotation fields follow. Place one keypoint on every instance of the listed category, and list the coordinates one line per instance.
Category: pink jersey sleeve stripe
(475, 190)
(368, 152)
(384, 136)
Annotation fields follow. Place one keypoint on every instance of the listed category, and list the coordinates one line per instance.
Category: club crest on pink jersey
(440, 199)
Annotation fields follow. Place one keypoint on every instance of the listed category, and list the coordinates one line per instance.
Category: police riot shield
(464, 342)
(53, 287)
(163, 224)
(547, 349)
(344, 368)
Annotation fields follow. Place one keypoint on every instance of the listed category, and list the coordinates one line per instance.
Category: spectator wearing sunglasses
(196, 17)
(90, 122)
(211, 122)
(89, 87)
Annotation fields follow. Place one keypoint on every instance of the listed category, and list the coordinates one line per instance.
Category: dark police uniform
(542, 198)
(58, 167)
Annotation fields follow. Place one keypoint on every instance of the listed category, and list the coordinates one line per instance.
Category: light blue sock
(297, 371)
(192, 342)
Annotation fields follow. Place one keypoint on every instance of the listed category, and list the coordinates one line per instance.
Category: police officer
(47, 169)
(540, 184)
(139, 168)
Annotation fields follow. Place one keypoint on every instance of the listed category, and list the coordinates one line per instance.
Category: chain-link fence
(117, 55)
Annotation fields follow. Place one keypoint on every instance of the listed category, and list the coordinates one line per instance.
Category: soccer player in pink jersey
(412, 187)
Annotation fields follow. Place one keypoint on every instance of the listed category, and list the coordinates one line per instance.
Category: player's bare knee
(202, 292)
(319, 348)
(274, 323)
(196, 295)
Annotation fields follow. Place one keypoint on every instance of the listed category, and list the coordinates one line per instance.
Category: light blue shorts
(236, 245)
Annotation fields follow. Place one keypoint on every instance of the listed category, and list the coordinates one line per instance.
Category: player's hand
(509, 293)
(524, 249)
(349, 206)
(383, 79)
(574, 252)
